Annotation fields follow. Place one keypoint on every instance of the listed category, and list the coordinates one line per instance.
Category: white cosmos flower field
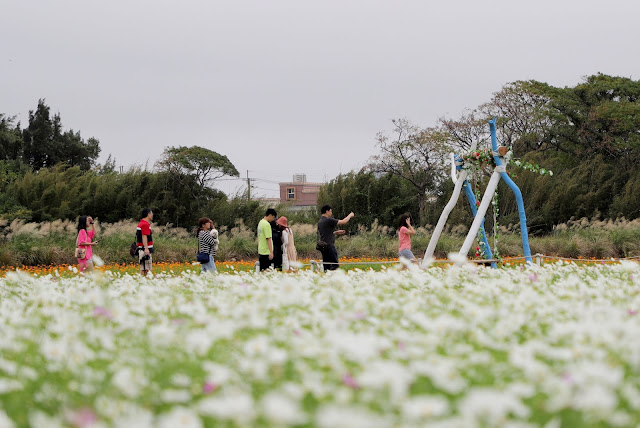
(463, 346)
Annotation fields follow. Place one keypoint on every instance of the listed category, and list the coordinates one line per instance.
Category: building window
(291, 193)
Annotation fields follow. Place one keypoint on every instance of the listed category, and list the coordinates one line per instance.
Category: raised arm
(410, 229)
(346, 219)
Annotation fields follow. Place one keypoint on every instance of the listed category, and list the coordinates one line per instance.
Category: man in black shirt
(276, 236)
(326, 226)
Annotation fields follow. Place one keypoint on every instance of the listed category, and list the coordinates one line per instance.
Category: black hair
(403, 220)
(201, 222)
(145, 212)
(324, 209)
(271, 211)
(82, 223)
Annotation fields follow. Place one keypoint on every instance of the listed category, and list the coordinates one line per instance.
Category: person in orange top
(405, 230)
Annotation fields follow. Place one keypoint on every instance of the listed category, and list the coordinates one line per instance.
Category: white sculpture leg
(482, 210)
(445, 215)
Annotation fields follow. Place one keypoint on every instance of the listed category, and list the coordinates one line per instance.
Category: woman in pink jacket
(86, 233)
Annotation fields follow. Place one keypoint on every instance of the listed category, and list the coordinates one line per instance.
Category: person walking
(144, 241)
(405, 231)
(265, 241)
(85, 243)
(207, 243)
(327, 234)
(289, 253)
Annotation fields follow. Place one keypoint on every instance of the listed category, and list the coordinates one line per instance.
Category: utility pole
(249, 180)
(248, 187)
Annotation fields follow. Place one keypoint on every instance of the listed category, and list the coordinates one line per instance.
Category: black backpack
(133, 250)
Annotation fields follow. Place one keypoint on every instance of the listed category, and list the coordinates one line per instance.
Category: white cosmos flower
(381, 374)
(282, 410)
(457, 258)
(360, 343)
(490, 406)
(138, 417)
(629, 266)
(162, 335)
(5, 421)
(198, 342)
(217, 373)
(181, 380)
(9, 367)
(332, 416)
(235, 406)
(175, 396)
(129, 381)
(632, 395)
(427, 262)
(596, 399)
(423, 407)
(179, 417)
(38, 418)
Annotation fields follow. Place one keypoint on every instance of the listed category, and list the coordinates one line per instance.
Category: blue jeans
(209, 267)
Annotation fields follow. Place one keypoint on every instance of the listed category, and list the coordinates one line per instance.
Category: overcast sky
(288, 86)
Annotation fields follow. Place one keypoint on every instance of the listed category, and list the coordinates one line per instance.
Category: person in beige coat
(289, 253)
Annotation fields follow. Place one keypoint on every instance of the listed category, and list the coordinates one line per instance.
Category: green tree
(195, 169)
(45, 144)
(599, 116)
(416, 156)
(372, 196)
(11, 143)
(203, 164)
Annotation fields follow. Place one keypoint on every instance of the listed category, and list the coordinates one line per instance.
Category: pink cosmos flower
(349, 381)
(83, 418)
(632, 312)
(99, 311)
(209, 387)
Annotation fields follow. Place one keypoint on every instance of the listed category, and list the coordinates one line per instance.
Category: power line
(267, 181)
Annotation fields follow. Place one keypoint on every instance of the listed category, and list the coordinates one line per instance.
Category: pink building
(300, 193)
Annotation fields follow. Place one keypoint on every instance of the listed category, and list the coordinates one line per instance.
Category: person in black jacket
(276, 236)
(327, 235)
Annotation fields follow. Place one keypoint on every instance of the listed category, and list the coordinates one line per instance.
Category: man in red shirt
(144, 240)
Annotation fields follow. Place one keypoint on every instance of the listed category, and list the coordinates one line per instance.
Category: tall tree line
(49, 173)
(588, 135)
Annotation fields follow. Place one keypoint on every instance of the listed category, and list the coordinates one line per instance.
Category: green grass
(39, 245)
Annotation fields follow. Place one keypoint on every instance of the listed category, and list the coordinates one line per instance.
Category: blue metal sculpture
(459, 177)
(500, 171)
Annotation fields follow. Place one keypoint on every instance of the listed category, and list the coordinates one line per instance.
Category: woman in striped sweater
(207, 243)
